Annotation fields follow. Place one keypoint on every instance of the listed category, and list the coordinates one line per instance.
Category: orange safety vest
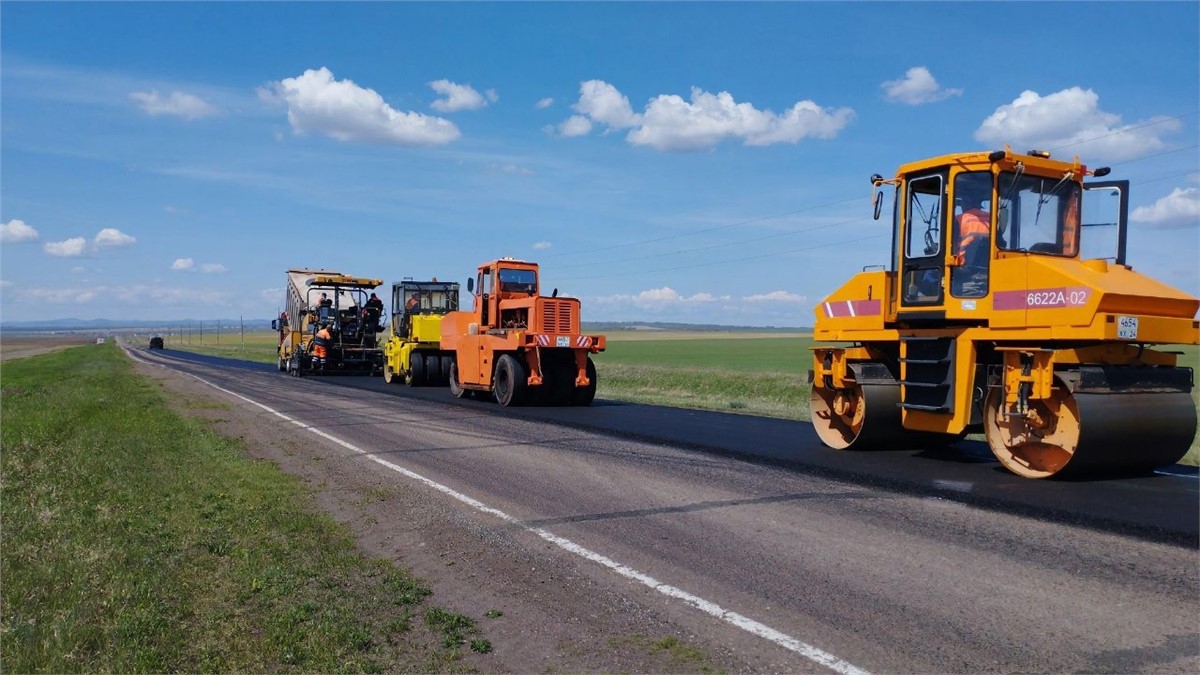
(973, 224)
(321, 343)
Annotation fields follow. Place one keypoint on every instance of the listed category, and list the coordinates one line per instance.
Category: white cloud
(916, 87)
(660, 298)
(110, 237)
(1071, 119)
(516, 170)
(670, 123)
(345, 111)
(601, 102)
(575, 125)
(177, 103)
(775, 296)
(1181, 207)
(542, 245)
(183, 264)
(212, 268)
(491, 95)
(70, 248)
(544, 103)
(458, 97)
(137, 296)
(16, 231)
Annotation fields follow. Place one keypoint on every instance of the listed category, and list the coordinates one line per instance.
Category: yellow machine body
(352, 346)
(413, 353)
(1013, 331)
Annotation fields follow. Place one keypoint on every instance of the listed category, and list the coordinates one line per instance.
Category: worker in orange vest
(321, 344)
(974, 232)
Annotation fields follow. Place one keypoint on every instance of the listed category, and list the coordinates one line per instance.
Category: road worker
(974, 232)
(320, 348)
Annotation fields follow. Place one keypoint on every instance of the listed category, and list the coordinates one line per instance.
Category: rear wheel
(416, 370)
(456, 389)
(282, 365)
(511, 381)
(447, 363)
(585, 395)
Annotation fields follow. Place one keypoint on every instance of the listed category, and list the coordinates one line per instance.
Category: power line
(1126, 130)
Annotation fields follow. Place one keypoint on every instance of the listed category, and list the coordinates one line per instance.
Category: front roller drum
(1076, 433)
(865, 416)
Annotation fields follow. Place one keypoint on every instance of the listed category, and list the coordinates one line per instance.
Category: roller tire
(447, 372)
(456, 389)
(511, 381)
(416, 370)
(433, 370)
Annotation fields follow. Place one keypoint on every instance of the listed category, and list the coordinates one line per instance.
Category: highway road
(801, 559)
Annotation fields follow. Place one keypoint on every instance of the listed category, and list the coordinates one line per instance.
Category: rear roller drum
(1090, 433)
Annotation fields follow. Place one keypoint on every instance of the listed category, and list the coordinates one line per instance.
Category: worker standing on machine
(321, 344)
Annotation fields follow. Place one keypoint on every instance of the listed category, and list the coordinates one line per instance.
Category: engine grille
(556, 316)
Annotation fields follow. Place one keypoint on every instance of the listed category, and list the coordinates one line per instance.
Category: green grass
(136, 540)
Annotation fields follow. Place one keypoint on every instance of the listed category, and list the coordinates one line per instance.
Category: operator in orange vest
(974, 232)
(321, 344)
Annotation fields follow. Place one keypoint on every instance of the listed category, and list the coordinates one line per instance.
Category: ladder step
(925, 408)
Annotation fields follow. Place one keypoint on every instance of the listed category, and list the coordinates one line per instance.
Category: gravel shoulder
(552, 617)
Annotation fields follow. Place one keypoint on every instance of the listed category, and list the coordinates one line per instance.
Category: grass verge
(136, 540)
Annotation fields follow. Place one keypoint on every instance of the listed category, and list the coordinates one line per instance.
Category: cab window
(1038, 214)
(923, 216)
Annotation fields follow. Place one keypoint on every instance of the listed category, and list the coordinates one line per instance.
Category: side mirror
(554, 294)
(274, 324)
(470, 285)
(878, 204)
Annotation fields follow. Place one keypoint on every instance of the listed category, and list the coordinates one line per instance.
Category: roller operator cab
(1008, 308)
(413, 353)
(518, 344)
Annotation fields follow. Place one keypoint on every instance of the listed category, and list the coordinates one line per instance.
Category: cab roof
(979, 161)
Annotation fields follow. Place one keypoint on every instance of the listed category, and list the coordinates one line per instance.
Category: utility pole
(218, 331)
(202, 331)
(242, 328)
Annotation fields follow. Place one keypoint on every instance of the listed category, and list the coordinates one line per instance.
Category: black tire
(282, 365)
(447, 361)
(433, 370)
(456, 389)
(584, 396)
(510, 382)
(416, 369)
(294, 364)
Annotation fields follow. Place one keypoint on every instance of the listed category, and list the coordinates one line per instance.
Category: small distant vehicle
(156, 342)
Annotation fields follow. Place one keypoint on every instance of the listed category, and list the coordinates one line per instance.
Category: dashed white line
(747, 624)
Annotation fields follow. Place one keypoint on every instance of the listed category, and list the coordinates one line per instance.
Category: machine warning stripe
(836, 309)
(1042, 298)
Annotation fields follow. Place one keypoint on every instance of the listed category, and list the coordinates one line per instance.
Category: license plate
(564, 341)
(1127, 327)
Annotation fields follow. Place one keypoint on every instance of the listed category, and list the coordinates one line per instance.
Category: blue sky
(663, 162)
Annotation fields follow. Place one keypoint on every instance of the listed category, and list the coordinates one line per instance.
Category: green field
(755, 374)
(136, 540)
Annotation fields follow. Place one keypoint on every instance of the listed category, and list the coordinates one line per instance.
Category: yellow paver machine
(1008, 307)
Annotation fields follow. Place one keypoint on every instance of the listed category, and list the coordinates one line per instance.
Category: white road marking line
(711, 608)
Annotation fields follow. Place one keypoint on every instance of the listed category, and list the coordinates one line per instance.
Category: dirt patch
(541, 611)
(23, 346)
